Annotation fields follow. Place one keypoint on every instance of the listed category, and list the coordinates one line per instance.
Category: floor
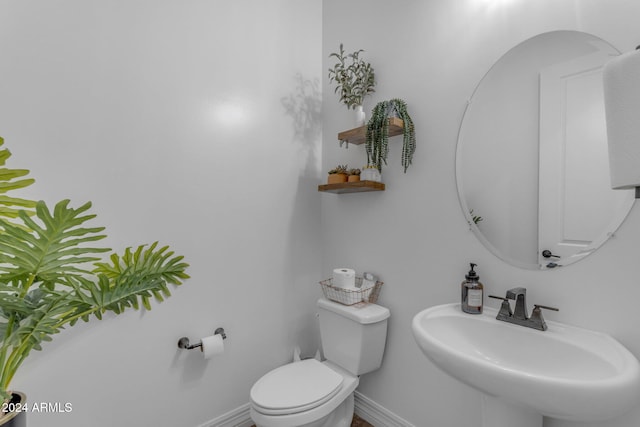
(357, 422)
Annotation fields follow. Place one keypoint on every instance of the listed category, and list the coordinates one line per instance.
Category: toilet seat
(295, 387)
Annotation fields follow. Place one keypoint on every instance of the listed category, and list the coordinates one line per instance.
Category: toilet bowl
(308, 393)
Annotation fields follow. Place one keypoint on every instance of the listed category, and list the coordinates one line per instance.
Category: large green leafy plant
(353, 76)
(52, 275)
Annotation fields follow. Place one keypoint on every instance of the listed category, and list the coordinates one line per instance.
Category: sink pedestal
(498, 413)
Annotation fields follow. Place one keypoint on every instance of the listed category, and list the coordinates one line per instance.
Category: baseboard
(238, 417)
(375, 414)
(365, 408)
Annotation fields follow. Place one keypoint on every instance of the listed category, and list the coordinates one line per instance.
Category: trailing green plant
(377, 133)
(52, 274)
(354, 77)
(339, 169)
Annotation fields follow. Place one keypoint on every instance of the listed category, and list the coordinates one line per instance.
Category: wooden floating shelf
(358, 135)
(352, 187)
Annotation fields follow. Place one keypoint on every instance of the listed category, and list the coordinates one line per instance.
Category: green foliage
(354, 80)
(339, 169)
(52, 275)
(11, 179)
(377, 135)
(476, 218)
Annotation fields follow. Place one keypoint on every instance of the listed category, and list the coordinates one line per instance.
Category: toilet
(310, 393)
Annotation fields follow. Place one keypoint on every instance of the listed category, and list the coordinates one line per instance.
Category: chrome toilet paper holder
(184, 341)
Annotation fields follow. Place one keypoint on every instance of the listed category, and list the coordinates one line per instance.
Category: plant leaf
(130, 279)
(12, 179)
(54, 248)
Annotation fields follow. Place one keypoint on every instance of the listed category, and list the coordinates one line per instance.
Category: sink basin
(565, 372)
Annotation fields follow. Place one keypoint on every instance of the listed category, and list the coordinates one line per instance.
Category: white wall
(196, 123)
(432, 54)
(116, 102)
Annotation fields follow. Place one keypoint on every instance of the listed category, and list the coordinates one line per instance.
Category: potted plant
(354, 78)
(52, 275)
(377, 134)
(371, 173)
(354, 175)
(337, 175)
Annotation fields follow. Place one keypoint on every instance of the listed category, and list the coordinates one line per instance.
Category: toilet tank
(353, 336)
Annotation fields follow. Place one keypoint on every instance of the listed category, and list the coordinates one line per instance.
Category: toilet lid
(295, 387)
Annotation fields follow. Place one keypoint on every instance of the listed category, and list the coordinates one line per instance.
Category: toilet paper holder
(184, 341)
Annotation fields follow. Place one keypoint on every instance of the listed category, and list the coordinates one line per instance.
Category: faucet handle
(546, 307)
(505, 309)
(536, 316)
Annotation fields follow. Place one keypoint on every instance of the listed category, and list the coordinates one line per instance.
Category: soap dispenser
(472, 292)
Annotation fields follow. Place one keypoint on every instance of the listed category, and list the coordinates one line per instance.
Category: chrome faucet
(519, 316)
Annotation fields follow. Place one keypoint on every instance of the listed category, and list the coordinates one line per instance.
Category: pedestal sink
(565, 372)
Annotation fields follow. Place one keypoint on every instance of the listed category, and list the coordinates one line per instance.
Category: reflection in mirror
(532, 162)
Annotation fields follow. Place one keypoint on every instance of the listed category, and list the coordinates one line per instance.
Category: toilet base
(339, 417)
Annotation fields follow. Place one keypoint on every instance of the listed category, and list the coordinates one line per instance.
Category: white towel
(622, 105)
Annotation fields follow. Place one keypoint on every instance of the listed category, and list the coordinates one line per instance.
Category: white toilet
(310, 393)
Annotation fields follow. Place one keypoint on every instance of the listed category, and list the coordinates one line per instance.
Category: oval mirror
(532, 164)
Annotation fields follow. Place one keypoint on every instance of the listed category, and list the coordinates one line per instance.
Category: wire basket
(351, 296)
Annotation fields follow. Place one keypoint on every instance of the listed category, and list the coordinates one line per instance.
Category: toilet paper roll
(212, 346)
(344, 277)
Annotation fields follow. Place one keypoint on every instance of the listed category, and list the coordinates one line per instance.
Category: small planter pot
(359, 116)
(353, 178)
(336, 178)
(371, 174)
(16, 411)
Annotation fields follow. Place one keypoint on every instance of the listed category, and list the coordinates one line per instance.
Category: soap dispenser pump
(472, 292)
